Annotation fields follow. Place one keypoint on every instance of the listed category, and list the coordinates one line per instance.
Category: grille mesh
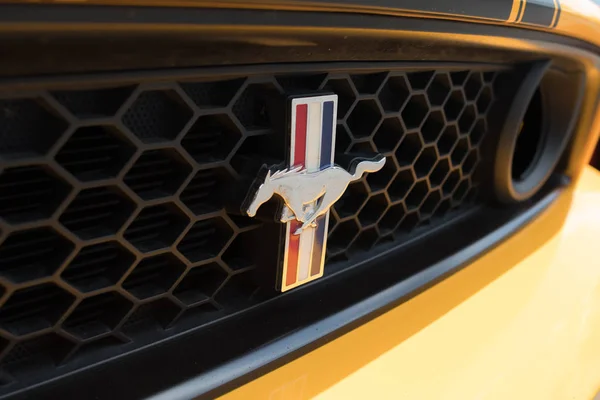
(112, 200)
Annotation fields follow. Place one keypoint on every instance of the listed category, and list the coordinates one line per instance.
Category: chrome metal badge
(309, 187)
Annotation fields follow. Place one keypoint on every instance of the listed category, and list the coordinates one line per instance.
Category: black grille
(118, 202)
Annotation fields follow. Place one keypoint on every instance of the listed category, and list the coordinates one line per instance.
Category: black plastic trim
(224, 331)
(160, 368)
(557, 119)
(507, 189)
(183, 74)
(44, 39)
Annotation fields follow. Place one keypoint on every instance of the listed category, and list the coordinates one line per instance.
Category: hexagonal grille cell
(394, 93)
(30, 193)
(467, 119)
(461, 191)
(342, 235)
(419, 80)
(409, 222)
(473, 85)
(418, 192)
(433, 127)
(439, 173)
(454, 105)
(205, 239)
(97, 315)
(28, 127)
(240, 253)
(157, 173)
(439, 89)
(156, 227)
(31, 254)
(409, 149)
(98, 266)
(451, 182)
(402, 183)
(430, 204)
(447, 141)
(34, 308)
(120, 204)
(391, 218)
(200, 283)
(470, 162)
(458, 78)
(207, 191)
(364, 118)
(373, 210)
(415, 111)
(97, 212)
(425, 162)
(366, 239)
(388, 135)
(156, 116)
(460, 151)
(154, 276)
(95, 152)
(211, 138)
(477, 132)
(352, 200)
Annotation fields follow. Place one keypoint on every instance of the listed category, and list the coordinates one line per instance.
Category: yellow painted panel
(581, 19)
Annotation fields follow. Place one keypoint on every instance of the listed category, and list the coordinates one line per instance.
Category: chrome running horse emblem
(309, 186)
(308, 195)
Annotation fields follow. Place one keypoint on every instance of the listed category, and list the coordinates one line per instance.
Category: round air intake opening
(536, 127)
(530, 140)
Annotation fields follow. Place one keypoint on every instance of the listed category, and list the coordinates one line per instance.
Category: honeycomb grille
(114, 201)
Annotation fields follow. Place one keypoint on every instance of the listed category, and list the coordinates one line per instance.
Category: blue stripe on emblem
(318, 246)
(326, 159)
(327, 135)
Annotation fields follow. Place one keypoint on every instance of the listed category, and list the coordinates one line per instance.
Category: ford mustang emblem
(309, 186)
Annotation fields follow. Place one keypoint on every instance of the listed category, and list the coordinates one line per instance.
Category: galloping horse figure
(308, 195)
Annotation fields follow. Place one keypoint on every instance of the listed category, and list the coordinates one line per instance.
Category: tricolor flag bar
(313, 122)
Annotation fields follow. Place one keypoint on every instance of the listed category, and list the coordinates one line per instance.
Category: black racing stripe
(538, 12)
(496, 9)
(557, 14)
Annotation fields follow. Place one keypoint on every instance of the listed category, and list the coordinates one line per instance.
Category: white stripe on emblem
(313, 160)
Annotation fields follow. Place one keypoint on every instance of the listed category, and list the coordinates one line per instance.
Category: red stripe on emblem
(299, 157)
(293, 250)
(300, 139)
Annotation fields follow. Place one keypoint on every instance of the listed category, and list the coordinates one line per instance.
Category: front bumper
(469, 336)
(522, 322)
